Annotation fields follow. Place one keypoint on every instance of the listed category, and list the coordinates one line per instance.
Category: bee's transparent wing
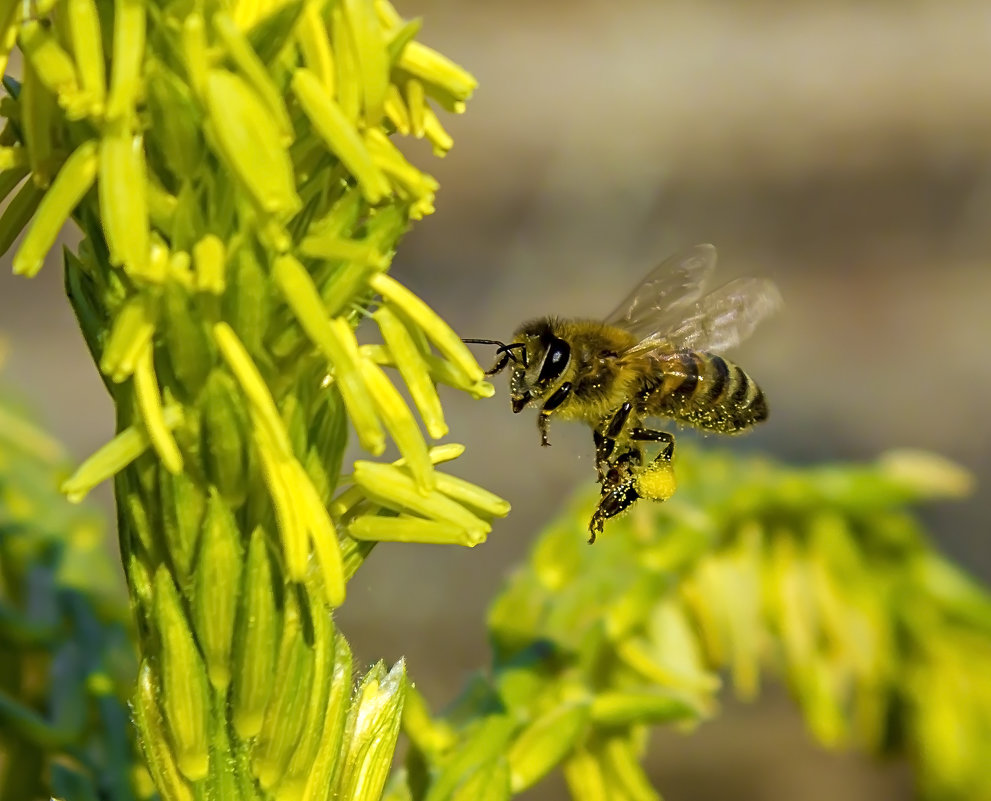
(720, 320)
(665, 295)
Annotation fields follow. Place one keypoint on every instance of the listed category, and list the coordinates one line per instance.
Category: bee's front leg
(561, 394)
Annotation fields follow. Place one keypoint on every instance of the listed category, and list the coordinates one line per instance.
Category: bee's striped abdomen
(707, 391)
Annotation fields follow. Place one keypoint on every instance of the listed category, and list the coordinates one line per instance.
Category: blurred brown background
(844, 149)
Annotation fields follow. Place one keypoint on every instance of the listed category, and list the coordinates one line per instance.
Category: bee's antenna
(504, 350)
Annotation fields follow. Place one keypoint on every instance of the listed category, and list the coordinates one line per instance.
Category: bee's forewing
(662, 299)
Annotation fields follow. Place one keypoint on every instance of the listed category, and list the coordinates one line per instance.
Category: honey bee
(653, 357)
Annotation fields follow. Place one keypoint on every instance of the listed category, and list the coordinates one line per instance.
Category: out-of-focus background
(841, 148)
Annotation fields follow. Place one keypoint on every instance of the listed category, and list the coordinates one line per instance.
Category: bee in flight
(653, 357)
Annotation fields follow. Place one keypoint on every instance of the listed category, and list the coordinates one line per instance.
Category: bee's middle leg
(611, 428)
(561, 394)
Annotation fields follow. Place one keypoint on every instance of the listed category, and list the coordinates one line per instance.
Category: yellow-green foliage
(817, 576)
(67, 664)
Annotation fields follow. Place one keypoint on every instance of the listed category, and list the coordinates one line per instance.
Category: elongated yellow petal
(399, 421)
(87, 47)
(253, 385)
(72, 182)
(439, 332)
(372, 57)
(209, 261)
(413, 369)
(336, 341)
(150, 403)
(54, 67)
(250, 141)
(113, 457)
(124, 199)
(253, 69)
(128, 51)
(339, 134)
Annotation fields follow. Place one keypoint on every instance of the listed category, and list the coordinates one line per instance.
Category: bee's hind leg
(619, 486)
(650, 435)
(614, 500)
(561, 394)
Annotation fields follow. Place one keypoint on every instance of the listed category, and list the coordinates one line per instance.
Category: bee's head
(544, 358)
(537, 358)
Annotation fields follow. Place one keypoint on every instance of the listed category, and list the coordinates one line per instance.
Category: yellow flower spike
(439, 332)
(185, 694)
(254, 388)
(371, 55)
(70, 184)
(396, 111)
(278, 474)
(53, 66)
(249, 140)
(209, 264)
(416, 100)
(378, 528)
(132, 329)
(113, 457)
(339, 135)
(128, 52)
(432, 68)
(439, 138)
(8, 41)
(124, 200)
(393, 488)
(400, 423)
(314, 44)
(150, 404)
(247, 61)
(348, 94)
(413, 368)
(87, 47)
(323, 536)
(169, 781)
(335, 339)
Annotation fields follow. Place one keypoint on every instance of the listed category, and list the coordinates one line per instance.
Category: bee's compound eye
(556, 360)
